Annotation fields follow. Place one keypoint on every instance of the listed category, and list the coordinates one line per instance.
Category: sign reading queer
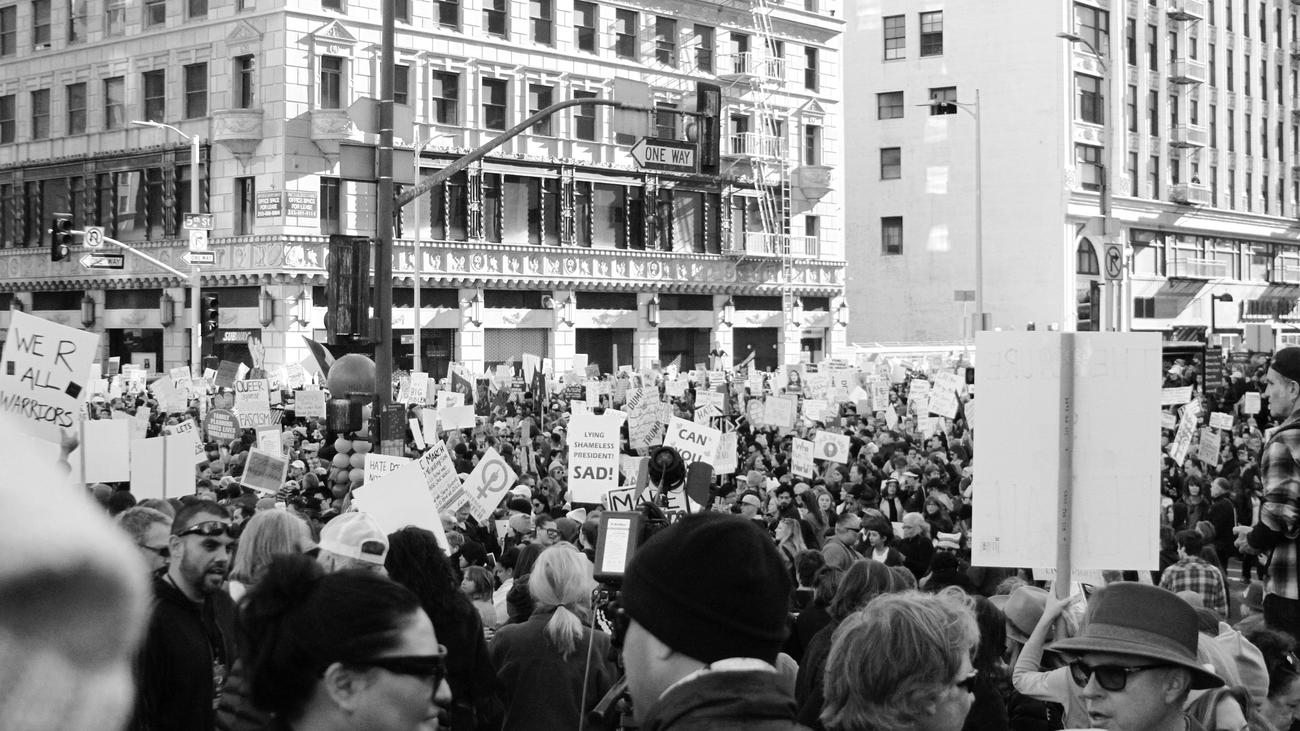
(45, 371)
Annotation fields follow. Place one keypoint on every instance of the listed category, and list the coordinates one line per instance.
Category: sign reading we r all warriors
(44, 370)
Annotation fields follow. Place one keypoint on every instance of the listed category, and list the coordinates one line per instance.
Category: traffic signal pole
(196, 341)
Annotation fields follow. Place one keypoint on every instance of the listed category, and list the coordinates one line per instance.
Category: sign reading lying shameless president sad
(44, 370)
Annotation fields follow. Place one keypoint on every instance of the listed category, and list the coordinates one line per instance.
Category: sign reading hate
(45, 373)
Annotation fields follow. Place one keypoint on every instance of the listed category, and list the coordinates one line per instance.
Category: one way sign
(665, 155)
(103, 261)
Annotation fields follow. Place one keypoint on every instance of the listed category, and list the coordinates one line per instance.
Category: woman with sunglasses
(347, 650)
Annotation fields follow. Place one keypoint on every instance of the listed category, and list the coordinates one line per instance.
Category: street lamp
(196, 141)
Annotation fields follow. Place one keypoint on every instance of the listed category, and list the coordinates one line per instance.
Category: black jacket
(727, 700)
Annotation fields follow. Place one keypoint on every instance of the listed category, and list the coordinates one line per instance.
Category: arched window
(1086, 259)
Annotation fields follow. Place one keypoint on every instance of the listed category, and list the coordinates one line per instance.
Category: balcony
(1188, 71)
(1186, 135)
(1192, 268)
(1190, 194)
(1184, 10)
(330, 127)
(238, 130)
(813, 181)
(748, 145)
(750, 66)
(776, 245)
(1284, 272)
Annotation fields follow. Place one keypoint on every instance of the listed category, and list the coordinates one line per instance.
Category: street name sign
(665, 154)
(104, 261)
(197, 222)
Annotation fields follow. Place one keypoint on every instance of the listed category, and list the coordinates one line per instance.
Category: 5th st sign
(104, 261)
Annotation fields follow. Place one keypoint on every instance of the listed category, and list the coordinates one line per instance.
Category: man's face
(1148, 700)
(546, 534)
(1281, 394)
(849, 533)
(202, 561)
(153, 546)
(748, 510)
(783, 500)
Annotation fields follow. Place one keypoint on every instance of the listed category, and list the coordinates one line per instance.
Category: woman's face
(824, 502)
(931, 508)
(875, 539)
(466, 585)
(396, 702)
(910, 529)
(782, 531)
(953, 703)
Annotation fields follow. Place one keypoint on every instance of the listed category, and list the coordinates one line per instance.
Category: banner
(488, 483)
(696, 443)
(46, 373)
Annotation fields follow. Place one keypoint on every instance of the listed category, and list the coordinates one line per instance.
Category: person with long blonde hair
(554, 668)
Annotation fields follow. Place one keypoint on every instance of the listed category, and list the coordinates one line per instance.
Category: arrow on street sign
(103, 261)
(664, 154)
(195, 258)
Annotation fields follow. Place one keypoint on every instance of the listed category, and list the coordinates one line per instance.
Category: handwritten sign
(1250, 403)
(696, 443)
(264, 471)
(1175, 396)
(45, 373)
(378, 465)
(252, 396)
(309, 404)
(1211, 440)
(489, 481)
(779, 412)
(593, 456)
(801, 457)
(831, 447)
(1219, 420)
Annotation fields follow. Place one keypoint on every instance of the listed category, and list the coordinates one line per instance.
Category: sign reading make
(44, 370)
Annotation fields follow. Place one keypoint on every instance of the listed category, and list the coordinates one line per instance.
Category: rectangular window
(245, 205)
(776, 59)
(584, 117)
(448, 14)
(625, 27)
(1214, 186)
(401, 84)
(1227, 14)
(446, 97)
(812, 144)
(539, 98)
(8, 125)
(810, 70)
(586, 16)
(197, 8)
(891, 163)
(114, 102)
(1263, 79)
(891, 235)
(666, 121)
(1228, 67)
(1130, 42)
(40, 99)
(1245, 73)
(895, 37)
(40, 24)
(244, 82)
(496, 18)
(494, 104)
(76, 10)
(666, 41)
(1263, 137)
(1132, 168)
(1173, 110)
(331, 205)
(1152, 58)
(1091, 101)
(1214, 125)
(9, 30)
(542, 15)
(704, 48)
(1093, 25)
(1131, 108)
(1087, 160)
(1232, 130)
(932, 33)
(196, 90)
(1153, 113)
(889, 105)
(1246, 136)
(76, 102)
(1214, 66)
(1153, 175)
(155, 12)
(336, 5)
(943, 100)
(331, 82)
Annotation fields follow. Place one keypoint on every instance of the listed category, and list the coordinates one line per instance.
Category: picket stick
(1065, 482)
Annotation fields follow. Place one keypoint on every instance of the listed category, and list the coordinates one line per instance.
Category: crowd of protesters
(838, 598)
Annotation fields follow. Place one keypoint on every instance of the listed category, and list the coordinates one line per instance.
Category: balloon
(339, 477)
(357, 476)
(342, 445)
(352, 376)
(358, 460)
(340, 460)
(339, 490)
(360, 446)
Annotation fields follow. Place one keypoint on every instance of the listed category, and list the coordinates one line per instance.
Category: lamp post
(416, 263)
(974, 111)
(196, 142)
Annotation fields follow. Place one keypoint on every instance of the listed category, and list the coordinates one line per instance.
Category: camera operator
(707, 600)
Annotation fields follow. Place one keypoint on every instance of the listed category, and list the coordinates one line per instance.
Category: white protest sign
(162, 467)
(1115, 510)
(107, 445)
(918, 388)
(189, 427)
(779, 412)
(417, 389)
(456, 417)
(417, 433)
(489, 481)
(943, 401)
(1183, 438)
(268, 440)
(831, 447)
(727, 460)
(45, 374)
(440, 477)
(815, 409)
(801, 457)
(264, 471)
(1220, 420)
(1175, 396)
(1168, 420)
(378, 465)
(450, 399)
(429, 425)
(695, 442)
(399, 499)
(621, 500)
(1249, 402)
(252, 396)
(593, 456)
(309, 404)
(648, 423)
(1211, 439)
(879, 395)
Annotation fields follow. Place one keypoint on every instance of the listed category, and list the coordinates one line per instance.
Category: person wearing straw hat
(1135, 660)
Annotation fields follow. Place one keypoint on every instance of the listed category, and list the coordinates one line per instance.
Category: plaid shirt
(1279, 514)
(1195, 574)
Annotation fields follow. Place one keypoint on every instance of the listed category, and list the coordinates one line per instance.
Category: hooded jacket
(748, 700)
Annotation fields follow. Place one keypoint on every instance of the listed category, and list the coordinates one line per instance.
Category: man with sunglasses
(1135, 660)
(190, 644)
(150, 530)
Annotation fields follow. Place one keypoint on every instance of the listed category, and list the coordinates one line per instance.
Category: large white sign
(488, 483)
(593, 456)
(695, 442)
(45, 374)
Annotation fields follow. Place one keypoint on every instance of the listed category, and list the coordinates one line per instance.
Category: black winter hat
(711, 586)
(1287, 362)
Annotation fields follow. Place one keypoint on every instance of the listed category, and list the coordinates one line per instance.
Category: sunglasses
(211, 529)
(162, 552)
(431, 667)
(1110, 677)
(968, 683)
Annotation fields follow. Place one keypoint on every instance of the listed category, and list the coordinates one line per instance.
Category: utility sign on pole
(94, 237)
(103, 261)
(1113, 265)
(665, 155)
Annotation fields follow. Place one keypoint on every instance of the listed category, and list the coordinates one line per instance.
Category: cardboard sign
(1168, 420)
(272, 418)
(647, 423)
(696, 443)
(399, 499)
(1175, 396)
(162, 467)
(1183, 439)
(309, 404)
(801, 457)
(378, 465)
(189, 427)
(621, 500)
(1211, 440)
(815, 409)
(264, 471)
(268, 440)
(106, 444)
(944, 403)
(416, 389)
(488, 483)
(831, 447)
(1250, 403)
(439, 474)
(227, 373)
(253, 396)
(593, 456)
(45, 375)
(1219, 420)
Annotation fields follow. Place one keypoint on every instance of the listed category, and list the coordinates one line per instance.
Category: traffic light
(61, 238)
(709, 104)
(210, 316)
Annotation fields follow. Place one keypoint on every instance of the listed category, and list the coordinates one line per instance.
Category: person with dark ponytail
(348, 650)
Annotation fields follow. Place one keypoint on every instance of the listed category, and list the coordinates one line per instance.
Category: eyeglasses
(211, 529)
(162, 552)
(431, 667)
(968, 683)
(553, 533)
(1109, 677)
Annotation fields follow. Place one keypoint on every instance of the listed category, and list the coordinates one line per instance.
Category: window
(155, 95)
(740, 56)
(336, 5)
(1153, 113)
(1152, 58)
(114, 102)
(331, 82)
(585, 25)
(1214, 186)
(76, 103)
(704, 48)
(8, 30)
(1232, 130)
(448, 14)
(8, 126)
(245, 205)
(244, 82)
(1173, 110)
(666, 121)
(776, 59)
(197, 8)
(1130, 42)
(115, 17)
(539, 98)
(1228, 62)
(155, 12)
(1085, 259)
(1227, 13)
(810, 71)
(76, 20)
(1245, 73)
(932, 33)
(1093, 26)
(625, 24)
(891, 163)
(1144, 307)
(1263, 79)
(41, 23)
(889, 105)
(401, 83)
(1132, 167)
(331, 205)
(895, 37)
(196, 90)
(1087, 160)
(541, 12)
(666, 41)
(496, 18)
(40, 100)
(1246, 136)
(494, 104)
(446, 97)
(1153, 174)
(1092, 103)
(943, 100)
(584, 117)
(812, 144)
(891, 235)
(1131, 108)
(1214, 66)
(1214, 125)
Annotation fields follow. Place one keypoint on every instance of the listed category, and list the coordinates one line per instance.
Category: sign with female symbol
(488, 483)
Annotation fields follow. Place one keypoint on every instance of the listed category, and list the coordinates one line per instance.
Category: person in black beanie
(707, 601)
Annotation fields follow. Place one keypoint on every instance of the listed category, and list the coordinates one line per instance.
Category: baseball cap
(355, 535)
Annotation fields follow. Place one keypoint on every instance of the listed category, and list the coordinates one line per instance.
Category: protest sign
(162, 467)
(801, 457)
(779, 412)
(1168, 420)
(486, 485)
(417, 433)
(309, 404)
(815, 409)
(696, 443)
(252, 396)
(439, 474)
(1219, 420)
(448, 399)
(593, 456)
(105, 444)
(1114, 478)
(879, 395)
(264, 471)
(260, 421)
(919, 387)
(1183, 438)
(417, 389)
(399, 499)
(943, 401)
(378, 465)
(647, 423)
(1175, 396)
(46, 373)
(831, 447)
(1250, 403)
(726, 461)
(188, 427)
(621, 500)
(268, 440)
(221, 426)
(1211, 439)
(429, 424)
(456, 417)
(227, 372)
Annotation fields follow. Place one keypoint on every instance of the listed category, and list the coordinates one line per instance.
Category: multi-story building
(1180, 116)
(557, 243)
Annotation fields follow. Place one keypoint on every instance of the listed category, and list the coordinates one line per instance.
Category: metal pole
(384, 212)
(979, 217)
(419, 276)
(196, 342)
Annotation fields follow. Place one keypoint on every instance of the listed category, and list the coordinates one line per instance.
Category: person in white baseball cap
(353, 541)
